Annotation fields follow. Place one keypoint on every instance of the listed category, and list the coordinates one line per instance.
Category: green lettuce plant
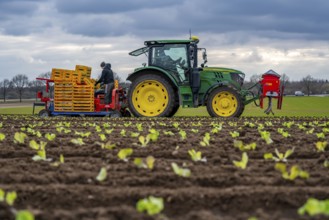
(77, 141)
(125, 153)
(183, 172)
(102, 175)
(2, 136)
(196, 156)
(315, 207)
(50, 137)
(294, 173)
(20, 137)
(244, 147)
(206, 140)
(182, 133)
(321, 146)
(279, 156)
(144, 140)
(154, 134)
(266, 136)
(24, 215)
(152, 205)
(108, 145)
(234, 134)
(243, 162)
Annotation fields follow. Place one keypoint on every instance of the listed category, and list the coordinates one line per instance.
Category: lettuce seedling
(279, 156)
(195, 131)
(326, 163)
(102, 137)
(11, 197)
(288, 124)
(83, 134)
(150, 162)
(154, 134)
(2, 195)
(184, 172)
(182, 133)
(139, 162)
(123, 132)
(234, 134)
(265, 135)
(61, 161)
(98, 129)
(315, 207)
(320, 135)
(77, 141)
(125, 153)
(109, 131)
(310, 131)
(283, 133)
(134, 134)
(19, 137)
(41, 154)
(168, 133)
(243, 163)
(102, 175)
(35, 146)
(321, 146)
(175, 124)
(152, 205)
(295, 172)
(127, 124)
(242, 147)
(24, 215)
(144, 140)
(139, 127)
(108, 145)
(205, 141)
(196, 156)
(2, 136)
(50, 137)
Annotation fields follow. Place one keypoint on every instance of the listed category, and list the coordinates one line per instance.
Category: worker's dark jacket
(107, 75)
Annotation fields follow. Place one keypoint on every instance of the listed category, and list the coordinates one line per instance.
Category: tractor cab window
(171, 57)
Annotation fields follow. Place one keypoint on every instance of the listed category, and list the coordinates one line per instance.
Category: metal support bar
(269, 108)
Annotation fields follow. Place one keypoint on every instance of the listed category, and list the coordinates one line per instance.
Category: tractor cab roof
(151, 43)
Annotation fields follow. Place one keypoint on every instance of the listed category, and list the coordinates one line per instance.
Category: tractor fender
(214, 86)
(154, 70)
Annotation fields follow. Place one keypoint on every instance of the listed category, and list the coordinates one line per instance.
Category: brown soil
(215, 190)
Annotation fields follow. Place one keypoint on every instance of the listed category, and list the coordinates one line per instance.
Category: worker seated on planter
(108, 80)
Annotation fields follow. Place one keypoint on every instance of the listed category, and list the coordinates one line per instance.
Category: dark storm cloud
(105, 6)
(17, 7)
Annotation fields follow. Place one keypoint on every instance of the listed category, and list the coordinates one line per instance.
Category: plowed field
(216, 189)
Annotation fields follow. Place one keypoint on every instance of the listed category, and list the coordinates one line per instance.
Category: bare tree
(19, 83)
(308, 82)
(255, 78)
(36, 86)
(4, 85)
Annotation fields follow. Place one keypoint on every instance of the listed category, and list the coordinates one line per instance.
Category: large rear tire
(151, 96)
(225, 102)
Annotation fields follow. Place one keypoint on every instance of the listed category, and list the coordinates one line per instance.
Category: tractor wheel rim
(224, 104)
(150, 98)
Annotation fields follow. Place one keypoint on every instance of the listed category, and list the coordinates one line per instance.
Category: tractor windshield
(172, 57)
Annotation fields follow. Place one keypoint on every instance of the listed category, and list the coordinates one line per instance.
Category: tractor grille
(239, 78)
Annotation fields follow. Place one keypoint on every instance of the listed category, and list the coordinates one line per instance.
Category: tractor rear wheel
(44, 113)
(225, 102)
(151, 96)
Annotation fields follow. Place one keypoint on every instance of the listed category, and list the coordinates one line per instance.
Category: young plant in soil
(279, 156)
(321, 146)
(20, 137)
(266, 136)
(147, 164)
(243, 162)
(196, 156)
(125, 153)
(102, 175)
(184, 172)
(206, 140)
(243, 147)
(295, 172)
(152, 205)
(315, 207)
(2, 136)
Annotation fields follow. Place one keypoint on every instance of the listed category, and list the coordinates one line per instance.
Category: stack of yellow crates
(74, 90)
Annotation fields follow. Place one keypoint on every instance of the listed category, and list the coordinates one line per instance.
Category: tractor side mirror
(204, 57)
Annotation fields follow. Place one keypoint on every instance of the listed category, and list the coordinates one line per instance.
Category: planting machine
(171, 78)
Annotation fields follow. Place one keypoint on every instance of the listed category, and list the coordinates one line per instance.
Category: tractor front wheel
(225, 102)
(44, 113)
(151, 96)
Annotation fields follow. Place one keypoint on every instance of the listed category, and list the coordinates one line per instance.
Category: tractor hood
(222, 74)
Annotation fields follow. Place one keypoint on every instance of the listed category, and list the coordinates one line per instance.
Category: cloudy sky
(288, 36)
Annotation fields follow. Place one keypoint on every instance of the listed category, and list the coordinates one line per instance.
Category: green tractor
(173, 78)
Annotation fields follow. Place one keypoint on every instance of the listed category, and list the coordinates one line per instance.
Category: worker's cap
(102, 64)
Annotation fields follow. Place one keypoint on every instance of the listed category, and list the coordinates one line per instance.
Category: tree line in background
(20, 87)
